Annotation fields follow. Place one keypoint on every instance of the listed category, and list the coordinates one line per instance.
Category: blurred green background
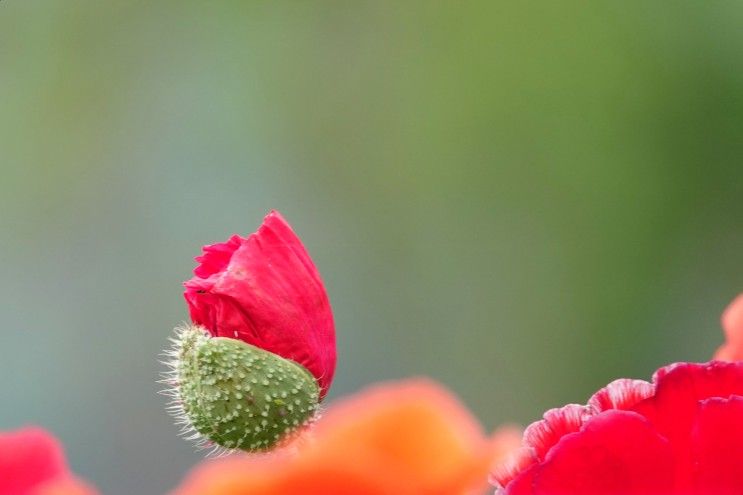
(523, 200)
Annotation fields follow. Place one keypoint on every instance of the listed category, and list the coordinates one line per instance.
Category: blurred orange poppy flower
(411, 437)
(732, 324)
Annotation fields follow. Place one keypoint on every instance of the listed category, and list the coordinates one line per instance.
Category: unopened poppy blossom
(266, 291)
(406, 438)
(32, 462)
(260, 355)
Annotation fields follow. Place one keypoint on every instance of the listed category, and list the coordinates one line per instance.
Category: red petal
(266, 291)
(616, 452)
(29, 457)
(717, 447)
(679, 389)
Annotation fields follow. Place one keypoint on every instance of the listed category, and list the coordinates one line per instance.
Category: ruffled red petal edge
(706, 380)
(541, 436)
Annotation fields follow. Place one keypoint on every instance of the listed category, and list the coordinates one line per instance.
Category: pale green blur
(523, 200)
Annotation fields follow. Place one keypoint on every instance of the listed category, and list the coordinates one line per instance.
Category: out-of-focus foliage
(523, 200)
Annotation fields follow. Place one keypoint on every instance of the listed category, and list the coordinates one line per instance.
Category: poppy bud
(260, 354)
(237, 395)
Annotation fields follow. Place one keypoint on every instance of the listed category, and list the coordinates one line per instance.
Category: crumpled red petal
(266, 291)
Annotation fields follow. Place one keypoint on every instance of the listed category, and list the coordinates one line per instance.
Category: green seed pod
(236, 395)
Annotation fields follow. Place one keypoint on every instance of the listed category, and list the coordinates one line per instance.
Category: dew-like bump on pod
(236, 395)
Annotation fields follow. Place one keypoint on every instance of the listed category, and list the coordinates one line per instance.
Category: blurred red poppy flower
(681, 434)
(32, 463)
(266, 291)
(732, 324)
(408, 438)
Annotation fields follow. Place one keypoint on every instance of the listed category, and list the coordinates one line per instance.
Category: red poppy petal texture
(681, 434)
(717, 447)
(679, 389)
(266, 291)
(616, 452)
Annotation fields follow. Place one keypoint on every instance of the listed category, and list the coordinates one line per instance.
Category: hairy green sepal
(240, 396)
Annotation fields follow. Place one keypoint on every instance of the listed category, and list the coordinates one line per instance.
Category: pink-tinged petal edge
(615, 452)
(670, 404)
(621, 394)
(541, 436)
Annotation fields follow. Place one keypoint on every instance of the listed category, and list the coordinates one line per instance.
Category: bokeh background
(523, 200)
